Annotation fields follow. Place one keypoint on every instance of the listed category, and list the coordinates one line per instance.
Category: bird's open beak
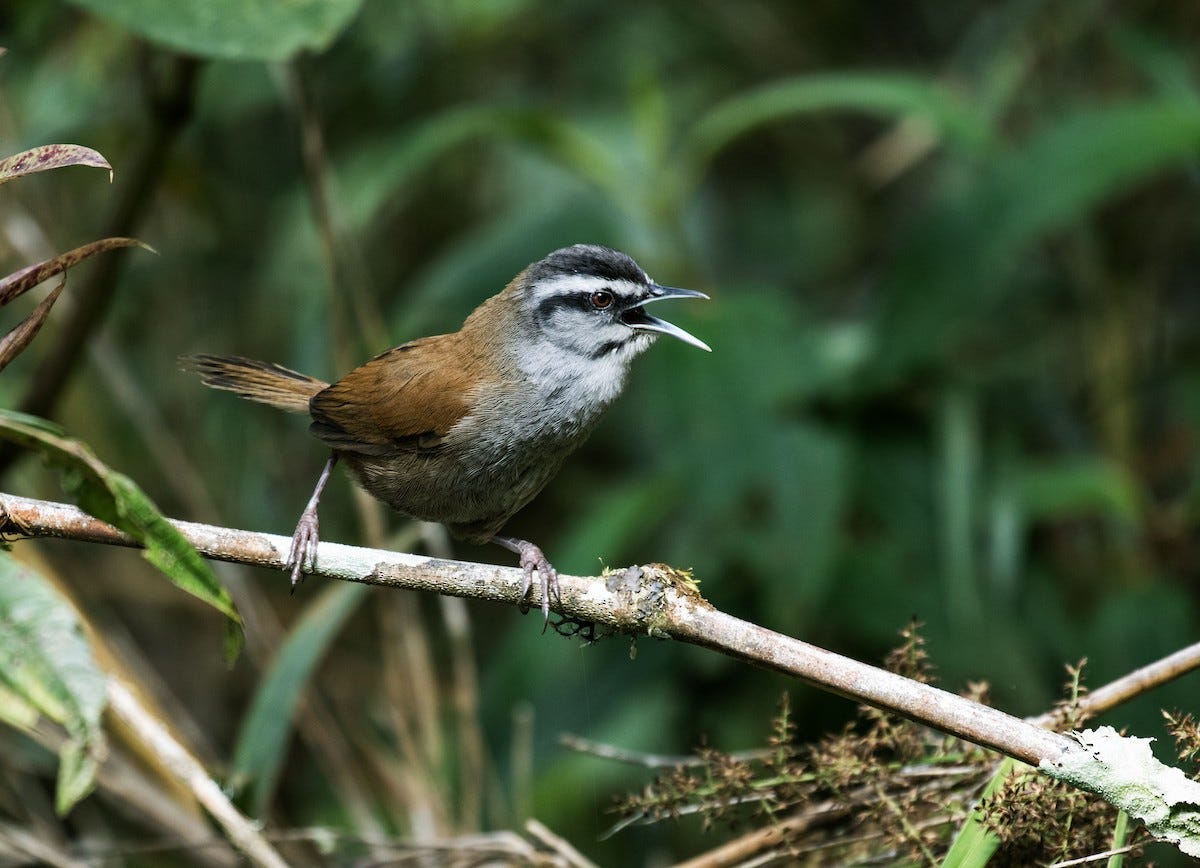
(637, 318)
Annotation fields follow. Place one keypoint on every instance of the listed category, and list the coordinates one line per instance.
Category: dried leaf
(45, 157)
(18, 339)
(20, 282)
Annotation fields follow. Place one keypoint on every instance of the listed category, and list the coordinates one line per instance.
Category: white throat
(575, 386)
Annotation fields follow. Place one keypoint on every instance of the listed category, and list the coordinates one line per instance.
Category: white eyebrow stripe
(580, 283)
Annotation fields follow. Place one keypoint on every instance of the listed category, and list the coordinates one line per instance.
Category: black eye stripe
(574, 301)
(547, 306)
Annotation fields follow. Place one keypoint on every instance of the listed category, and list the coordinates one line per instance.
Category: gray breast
(491, 463)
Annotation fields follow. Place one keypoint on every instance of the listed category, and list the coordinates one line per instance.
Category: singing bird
(466, 428)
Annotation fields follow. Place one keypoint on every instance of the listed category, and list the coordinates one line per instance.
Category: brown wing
(406, 398)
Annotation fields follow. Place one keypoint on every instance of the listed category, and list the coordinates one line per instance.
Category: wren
(466, 428)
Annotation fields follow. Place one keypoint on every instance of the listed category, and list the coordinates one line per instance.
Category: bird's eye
(601, 299)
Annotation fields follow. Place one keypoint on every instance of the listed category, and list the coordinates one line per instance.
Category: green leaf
(1071, 488)
(77, 765)
(232, 29)
(962, 261)
(264, 732)
(46, 666)
(388, 165)
(15, 711)
(1120, 836)
(113, 497)
(884, 94)
(46, 157)
(975, 843)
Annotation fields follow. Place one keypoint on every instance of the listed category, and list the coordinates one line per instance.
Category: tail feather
(264, 382)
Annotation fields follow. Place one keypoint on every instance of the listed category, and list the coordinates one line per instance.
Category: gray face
(589, 301)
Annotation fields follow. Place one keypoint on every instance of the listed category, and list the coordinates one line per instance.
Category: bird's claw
(533, 559)
(304, 547)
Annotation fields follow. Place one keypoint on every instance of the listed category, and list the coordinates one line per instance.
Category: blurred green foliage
(953, 254)
(46, 668)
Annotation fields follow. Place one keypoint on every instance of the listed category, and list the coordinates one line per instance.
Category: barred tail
(264, 382)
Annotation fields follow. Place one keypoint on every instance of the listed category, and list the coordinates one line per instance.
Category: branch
(187, 770)
(651, 600)
(1135, 683)
(659, 601)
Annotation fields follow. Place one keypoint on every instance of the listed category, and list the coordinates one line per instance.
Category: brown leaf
(46, 157)
(20, 282)
(18, 339)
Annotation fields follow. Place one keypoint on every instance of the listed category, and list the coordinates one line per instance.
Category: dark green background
(953, 255)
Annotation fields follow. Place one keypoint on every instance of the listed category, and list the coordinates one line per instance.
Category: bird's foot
(533, 559)
(304, 540)
(304, 546)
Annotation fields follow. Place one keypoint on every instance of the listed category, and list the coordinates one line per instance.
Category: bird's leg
(304, 540)
(533, 559)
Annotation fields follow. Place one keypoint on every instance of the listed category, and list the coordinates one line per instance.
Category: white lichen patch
(1123, 771)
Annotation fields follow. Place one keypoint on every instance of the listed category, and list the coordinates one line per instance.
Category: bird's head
(590, 301)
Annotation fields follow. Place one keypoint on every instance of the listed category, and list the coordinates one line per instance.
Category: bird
(466, 428)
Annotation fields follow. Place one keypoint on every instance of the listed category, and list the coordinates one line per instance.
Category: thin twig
(742, 849)
(520, 761)
(1126, 687)
(650, 760)
(140, 798)
(472, 849)
(560, 845)
(911, 832)
(1096, 857)
(343, 262)
(409, 685)
(22, 847)
(464, 691)
(241, 831)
